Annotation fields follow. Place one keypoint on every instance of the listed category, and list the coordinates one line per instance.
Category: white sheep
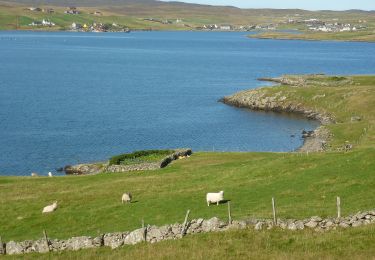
(50, 208)
(126, 197)
(34, 174)
(214, 197)
(50, 174)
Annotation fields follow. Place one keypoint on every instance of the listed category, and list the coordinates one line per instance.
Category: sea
(70, 97)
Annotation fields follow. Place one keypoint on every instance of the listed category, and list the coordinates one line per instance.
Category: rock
(114, 240)
(344, 225)
(329, 224)
(300, 225)
(311, 224)
(58, 245)
(77, 243)
(355, 118)
(156, 234)
(292, 226)
(14, 248)
(237, 225)
(259, 226)
(80, 169)
(316, 219)
(213, 224)
(357, 223)
(40, 246)
(195, 226)
(176, 229)
(282, 224)
(134, 237)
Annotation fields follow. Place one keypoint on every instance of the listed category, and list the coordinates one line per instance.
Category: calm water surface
(79, 97)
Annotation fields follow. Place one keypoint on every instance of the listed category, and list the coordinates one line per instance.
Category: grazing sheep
(34, 174)
(50, 174)
(126, 197)
(214, 197)
(50, 208)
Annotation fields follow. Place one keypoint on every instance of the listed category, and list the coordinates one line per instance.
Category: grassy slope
(132, 14)
(304, 185)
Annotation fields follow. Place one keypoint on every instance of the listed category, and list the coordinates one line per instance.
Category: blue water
(67, 98)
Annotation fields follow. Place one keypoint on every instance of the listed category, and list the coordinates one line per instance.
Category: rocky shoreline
(259, 99)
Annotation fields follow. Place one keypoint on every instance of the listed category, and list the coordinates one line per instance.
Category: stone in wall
(114, 240)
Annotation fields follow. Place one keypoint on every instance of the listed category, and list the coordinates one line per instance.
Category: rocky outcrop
(94, 168)
(153, 234)
(88, 168)
(261, 99)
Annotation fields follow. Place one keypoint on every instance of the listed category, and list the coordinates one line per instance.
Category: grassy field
(362, 36)
(303, 185)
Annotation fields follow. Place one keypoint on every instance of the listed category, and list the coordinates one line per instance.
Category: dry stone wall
(153, 234)
(95, 168)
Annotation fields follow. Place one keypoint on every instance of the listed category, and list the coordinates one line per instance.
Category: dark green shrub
(137, 156)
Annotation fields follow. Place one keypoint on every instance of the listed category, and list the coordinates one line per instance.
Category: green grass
(303, 184)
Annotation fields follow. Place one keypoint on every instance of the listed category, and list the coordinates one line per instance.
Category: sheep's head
(55, 203)
(221, 192)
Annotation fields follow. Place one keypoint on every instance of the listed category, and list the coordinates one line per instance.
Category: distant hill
(86, 3)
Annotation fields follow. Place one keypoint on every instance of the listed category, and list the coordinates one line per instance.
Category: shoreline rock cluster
(95, 168)
(153, 234)
(259, 99)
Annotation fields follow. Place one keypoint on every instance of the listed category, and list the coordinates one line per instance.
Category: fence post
(46, 239)
(229, 214)
(274, 211)
(338, 204)
(2, 251)
(144, 230)
(184, 225)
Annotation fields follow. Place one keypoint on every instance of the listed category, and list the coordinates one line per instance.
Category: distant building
(48, 10)
(44, 22)
(226, 27)
(35, 9)
(47, 23)
(76, 26)
(72, 10)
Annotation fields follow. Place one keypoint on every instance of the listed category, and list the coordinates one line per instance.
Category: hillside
(304, 184)
(157, 15)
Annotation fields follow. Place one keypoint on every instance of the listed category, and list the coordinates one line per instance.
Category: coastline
(258, 99)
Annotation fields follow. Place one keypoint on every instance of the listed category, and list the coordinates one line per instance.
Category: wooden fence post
(2, 251)
(144, 229)
(338, 204)
(184, 225)
(46, 239)
(274, 211)
(229, 214)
